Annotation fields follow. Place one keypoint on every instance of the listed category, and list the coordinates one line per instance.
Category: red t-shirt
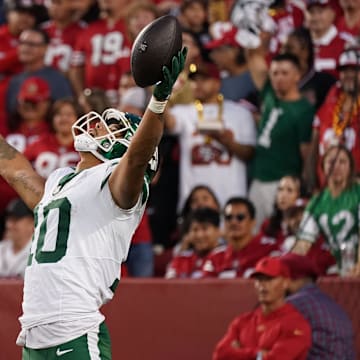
(62, 43)
(328, 53)
(47, 155)
(20, 139)
(104, 51)
(225, 262)
(349, 34)
(283, 334)
(187, 264)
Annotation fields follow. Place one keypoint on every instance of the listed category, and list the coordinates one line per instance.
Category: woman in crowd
(56, 149)
(334, 212)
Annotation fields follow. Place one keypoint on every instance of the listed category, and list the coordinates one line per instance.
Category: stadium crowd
(261, 155)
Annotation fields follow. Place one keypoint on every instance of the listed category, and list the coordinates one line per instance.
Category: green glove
(163, 90)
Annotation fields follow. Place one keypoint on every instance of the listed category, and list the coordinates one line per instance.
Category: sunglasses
(238, 217)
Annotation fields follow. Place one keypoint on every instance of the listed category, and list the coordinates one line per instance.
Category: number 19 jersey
(81, 238)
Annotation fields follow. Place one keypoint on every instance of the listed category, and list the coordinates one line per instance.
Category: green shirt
(336, 218)
(284, 125)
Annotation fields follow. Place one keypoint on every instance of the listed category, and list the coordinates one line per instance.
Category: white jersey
(11, 263)
(81, 238)
(208, 162)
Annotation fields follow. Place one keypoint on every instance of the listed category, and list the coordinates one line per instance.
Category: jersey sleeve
(309, 228)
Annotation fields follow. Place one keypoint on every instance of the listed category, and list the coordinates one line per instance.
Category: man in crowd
(275, 330)
(15, 248)
(204, 235)
(243, 249)
(284, 130)
(216, 138)
(332, 332)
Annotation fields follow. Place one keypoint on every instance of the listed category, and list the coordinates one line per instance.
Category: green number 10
(64, 207)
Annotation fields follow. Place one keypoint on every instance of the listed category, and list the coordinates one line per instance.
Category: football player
(84, 221)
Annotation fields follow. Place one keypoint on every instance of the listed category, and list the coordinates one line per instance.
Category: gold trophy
(210, 122)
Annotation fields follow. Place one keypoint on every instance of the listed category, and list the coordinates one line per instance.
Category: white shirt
(11, 263)
(204, 162)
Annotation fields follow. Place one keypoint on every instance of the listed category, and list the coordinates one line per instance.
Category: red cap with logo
(271, 266)
(226, 39)
(34, 89)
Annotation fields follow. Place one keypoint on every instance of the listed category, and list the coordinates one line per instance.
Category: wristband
(157, 106)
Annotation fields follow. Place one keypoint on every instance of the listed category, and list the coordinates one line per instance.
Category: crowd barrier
(161, 319)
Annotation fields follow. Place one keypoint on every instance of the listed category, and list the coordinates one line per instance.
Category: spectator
(319, 253)
(216, 157)
(15, 247)
(334, 212)
(194, 17)
(102, 53)
(204, 231)
(349, 23)
(63, 32)
(313, 85)
(183, 91)
(139, 14)
(287, 193)
(28, 123)
(201, 196)
(275, 329)
(19, 17)
(284, 128)
(328, 43)
(32, 49)
(32, 113)
(332, 332)
(230, 58)
(56, 149)
(337, 121)
(243, 250)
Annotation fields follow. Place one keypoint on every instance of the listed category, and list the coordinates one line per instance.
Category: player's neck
(87, 161)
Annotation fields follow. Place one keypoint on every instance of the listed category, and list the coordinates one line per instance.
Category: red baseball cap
(226, 39)
(300, 266)
(205, 69)
(271, 266)
(34, 89)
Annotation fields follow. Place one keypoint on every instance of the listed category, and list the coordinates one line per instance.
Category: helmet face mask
(109, 145)
(113, 143)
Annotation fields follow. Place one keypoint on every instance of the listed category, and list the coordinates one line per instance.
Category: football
(153, 48)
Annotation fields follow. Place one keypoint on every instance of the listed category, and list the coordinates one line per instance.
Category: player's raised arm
(127, 179)
(20, 175)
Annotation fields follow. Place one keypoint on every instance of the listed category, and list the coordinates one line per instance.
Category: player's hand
(163, 90)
